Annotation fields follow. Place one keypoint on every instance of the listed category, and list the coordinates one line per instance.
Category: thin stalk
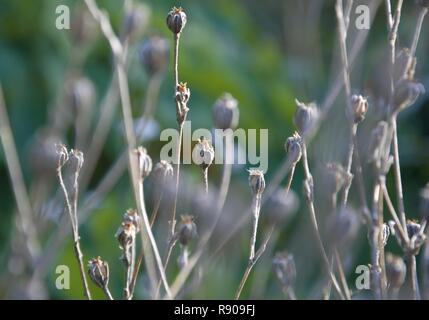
(206, 180)
(374, 235)
(107, 293)
(310, 204)
(76, 242)
(420, 19)
(252, 262)
(342, 276)
(412, 269)
(25, 211)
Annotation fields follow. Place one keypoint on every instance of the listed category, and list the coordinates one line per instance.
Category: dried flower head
(132, 216)
(153, 54)
(135, 19)
(98, 271)
(413, 228)
(126, 234)
(82, 95)
(281, 206)
(256, 181)
(395, 270)
(306, 116)
(284, 269)
(406, 93)
(162, 171)
(183, 93)
(187, 230)
(176, 20)
(226, 112)
(203, 153)
(359, 107)
(424, 202)
(144, 162)
(293, 147)
(342, 226)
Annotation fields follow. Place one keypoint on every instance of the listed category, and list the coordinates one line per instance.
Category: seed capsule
(183, 93)
(144, 162)
(153, 54)
(226, 112)
(162, 171)
(305, 116)
(284, 269)
(187, 230)
(203, 153)
(281, 206)
(131, 216)
(98, 271)
(135, 19)
(82, 96)
(293, 147)
(342, 226)
(406, 93)
(256, 181)
(359, 107)
(176, 20)
(334, 178)
(395, 270)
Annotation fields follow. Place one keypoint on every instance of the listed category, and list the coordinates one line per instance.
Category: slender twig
(422, 14)
(107, 293)
(20, 192)
(72, 211)
(342, 276)
(308, 188)
(412, 268)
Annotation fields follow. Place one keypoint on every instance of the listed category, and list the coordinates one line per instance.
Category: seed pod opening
(203, 153)
(359, 107)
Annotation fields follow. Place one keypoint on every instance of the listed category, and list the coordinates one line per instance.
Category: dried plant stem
(252, 262)
(206, 180)
(74, 224)
(309, 200)
(420, 19)
(425, 268)
(412, 269)
(341, 273)
(149, 233)
(17, 180)
(107, 293)
(374, 236)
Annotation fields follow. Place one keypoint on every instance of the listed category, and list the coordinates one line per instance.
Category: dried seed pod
(413, 228)
(424, 202)
(82, 96)
(396, 270)
(162, 171)
(98, 271)
(203, 153)
(256, 182)
(135, 19)
(225, 112)
(187, 230)
(406, 93)
(293, 147)
(132, 216)
(281, 206)
(176, 20)
(305, 117)
(153, 54)
(423, 3)
(183, 93)
(126, 234)
(359, 107)
(342, 226)
(334, 178)
(284, 269)
(144, 162)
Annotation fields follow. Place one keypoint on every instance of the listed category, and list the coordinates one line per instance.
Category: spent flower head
(176, 20)
(225, 112)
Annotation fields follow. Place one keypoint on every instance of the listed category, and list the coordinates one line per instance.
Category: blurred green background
(265, 53)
